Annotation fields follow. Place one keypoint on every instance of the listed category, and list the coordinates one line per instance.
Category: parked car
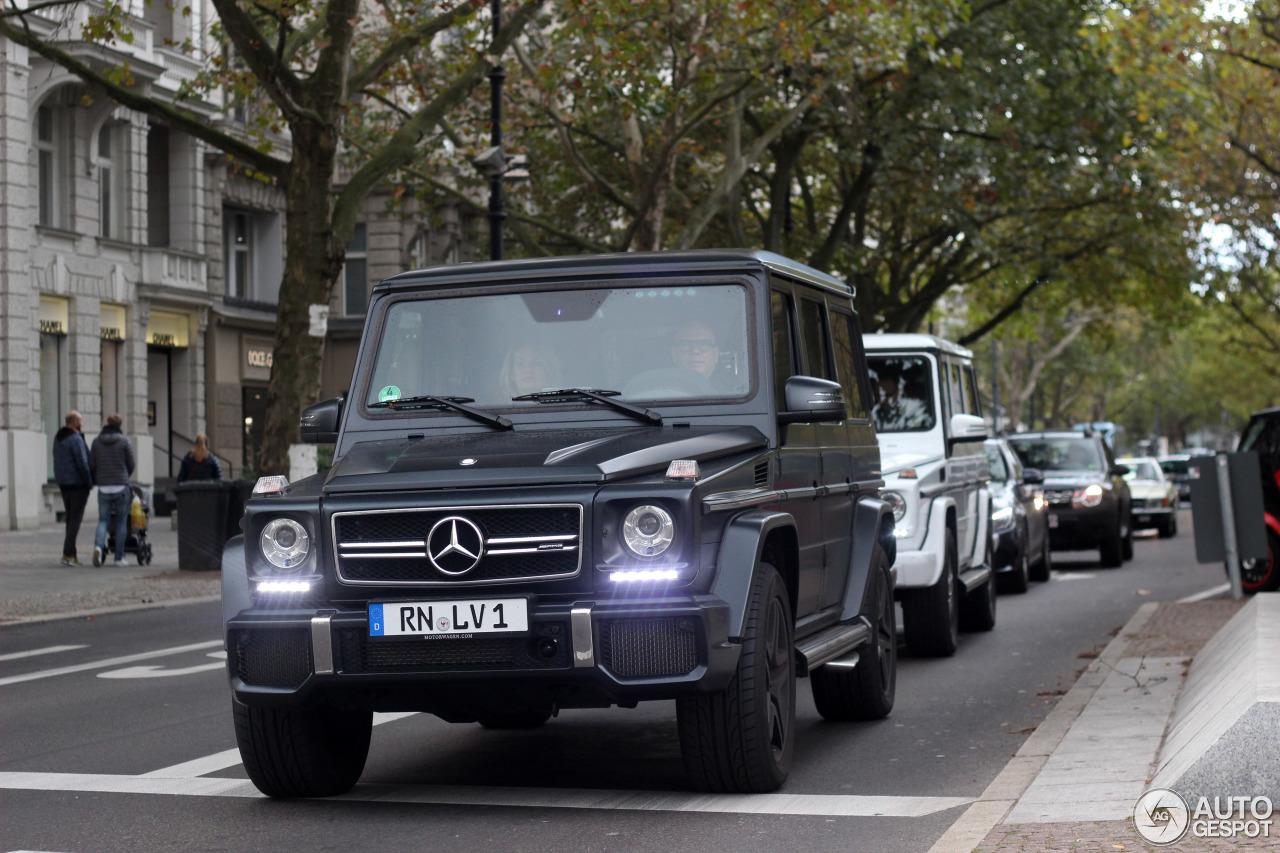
(1089, 502)
(1155, 498)
(931, 433)
(1020, 519)
(1177, 468)
(1262, 435)
(575, 483)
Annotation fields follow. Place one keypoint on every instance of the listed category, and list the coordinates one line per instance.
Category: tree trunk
(312, 265)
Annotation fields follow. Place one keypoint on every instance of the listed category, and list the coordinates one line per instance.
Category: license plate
(1143, 519)
(449, 618)
(1053, 520)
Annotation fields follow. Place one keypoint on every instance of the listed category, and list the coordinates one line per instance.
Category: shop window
(253, 406)
(355, 273)
(53, 172)
(54, 315)
(109, 162)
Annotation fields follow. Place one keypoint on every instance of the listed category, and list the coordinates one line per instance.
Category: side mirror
(968, 428)
(811, 400)
(1032, 476)
(319, 422)
(1119, 470)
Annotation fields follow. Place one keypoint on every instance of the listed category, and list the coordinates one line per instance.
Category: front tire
(1126, 544)
(931, 616)
(865, 692)
(1263, 575)
(1043, 569)
(1169, 527)
(742, 739)
(1018, 580)
(313, 751)
(978, 611)
(1111, 554)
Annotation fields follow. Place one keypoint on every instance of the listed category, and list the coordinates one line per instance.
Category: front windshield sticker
(391, 392)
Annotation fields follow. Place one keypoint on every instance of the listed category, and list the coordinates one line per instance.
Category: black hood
(530, 457)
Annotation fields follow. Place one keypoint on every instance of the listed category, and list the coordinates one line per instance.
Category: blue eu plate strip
(376, 627)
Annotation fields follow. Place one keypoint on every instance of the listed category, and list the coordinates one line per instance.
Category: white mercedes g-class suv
(930, 430)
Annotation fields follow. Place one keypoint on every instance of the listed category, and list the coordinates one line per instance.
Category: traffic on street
(118, 737)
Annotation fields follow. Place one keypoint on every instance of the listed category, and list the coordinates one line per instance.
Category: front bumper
(1073, 529)
(575, 654)
(1154, 517)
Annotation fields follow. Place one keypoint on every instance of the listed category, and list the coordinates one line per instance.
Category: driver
(694, 347)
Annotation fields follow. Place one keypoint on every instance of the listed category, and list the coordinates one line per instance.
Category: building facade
(139, 272)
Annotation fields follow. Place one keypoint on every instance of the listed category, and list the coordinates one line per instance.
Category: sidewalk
(1074, 783)
(35, 586)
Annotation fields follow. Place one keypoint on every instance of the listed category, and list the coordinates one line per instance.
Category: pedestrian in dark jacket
(75, 481)
(200, 464)
(112, 462)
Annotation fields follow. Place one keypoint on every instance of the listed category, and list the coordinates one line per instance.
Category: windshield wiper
(598, 395)
(429, 401)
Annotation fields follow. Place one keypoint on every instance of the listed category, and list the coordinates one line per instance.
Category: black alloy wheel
(1018, 579)
(741, 739)
(865, 692)
(931, 616)
(1043, 568)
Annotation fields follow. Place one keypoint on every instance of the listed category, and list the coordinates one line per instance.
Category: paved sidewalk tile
(1103, 836)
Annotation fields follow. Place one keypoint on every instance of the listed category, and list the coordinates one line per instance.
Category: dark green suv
(575, 483)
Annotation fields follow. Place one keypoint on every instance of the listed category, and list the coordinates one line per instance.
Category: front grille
(1058, 497)
(272, 657)
(546, 648)
(637, 648)
(531, 542)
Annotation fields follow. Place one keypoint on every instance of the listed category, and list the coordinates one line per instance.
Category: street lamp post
(497, 211)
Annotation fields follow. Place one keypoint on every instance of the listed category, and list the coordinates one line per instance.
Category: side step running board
(974, 578)
(835, 642)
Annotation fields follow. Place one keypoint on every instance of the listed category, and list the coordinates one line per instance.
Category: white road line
(558, 798)
(102, 664)
(1205, 593)
(48, 650)
(231, 757)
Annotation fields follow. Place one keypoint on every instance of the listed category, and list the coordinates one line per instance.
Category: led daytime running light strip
(645, 575)
(284, 586)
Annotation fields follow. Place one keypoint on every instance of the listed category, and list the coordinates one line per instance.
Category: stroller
(136, 541)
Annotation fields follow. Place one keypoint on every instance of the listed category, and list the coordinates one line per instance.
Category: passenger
(528, 369)
(695, 347)
(894, 412)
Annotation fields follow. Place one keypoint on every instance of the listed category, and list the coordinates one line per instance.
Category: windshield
(1058, 454)
(1141, 469)
(651, 343)
(904, 393)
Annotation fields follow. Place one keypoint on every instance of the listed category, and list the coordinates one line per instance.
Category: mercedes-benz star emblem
(455, 545)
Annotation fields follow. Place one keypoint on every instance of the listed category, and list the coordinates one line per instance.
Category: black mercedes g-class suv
(572, 483)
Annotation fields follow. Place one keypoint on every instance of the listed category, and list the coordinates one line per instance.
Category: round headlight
(284, 543)
(897, 502)
(648, 531)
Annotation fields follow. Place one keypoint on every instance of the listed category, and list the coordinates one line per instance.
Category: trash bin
(241, 491)
(202, 524)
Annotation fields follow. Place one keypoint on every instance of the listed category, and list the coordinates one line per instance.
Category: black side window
(784, 359)
(847, 341)
(813, 333)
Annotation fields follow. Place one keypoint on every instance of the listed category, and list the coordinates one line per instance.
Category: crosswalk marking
(471, 795)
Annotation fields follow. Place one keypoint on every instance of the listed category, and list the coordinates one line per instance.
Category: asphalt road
(116, 735)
